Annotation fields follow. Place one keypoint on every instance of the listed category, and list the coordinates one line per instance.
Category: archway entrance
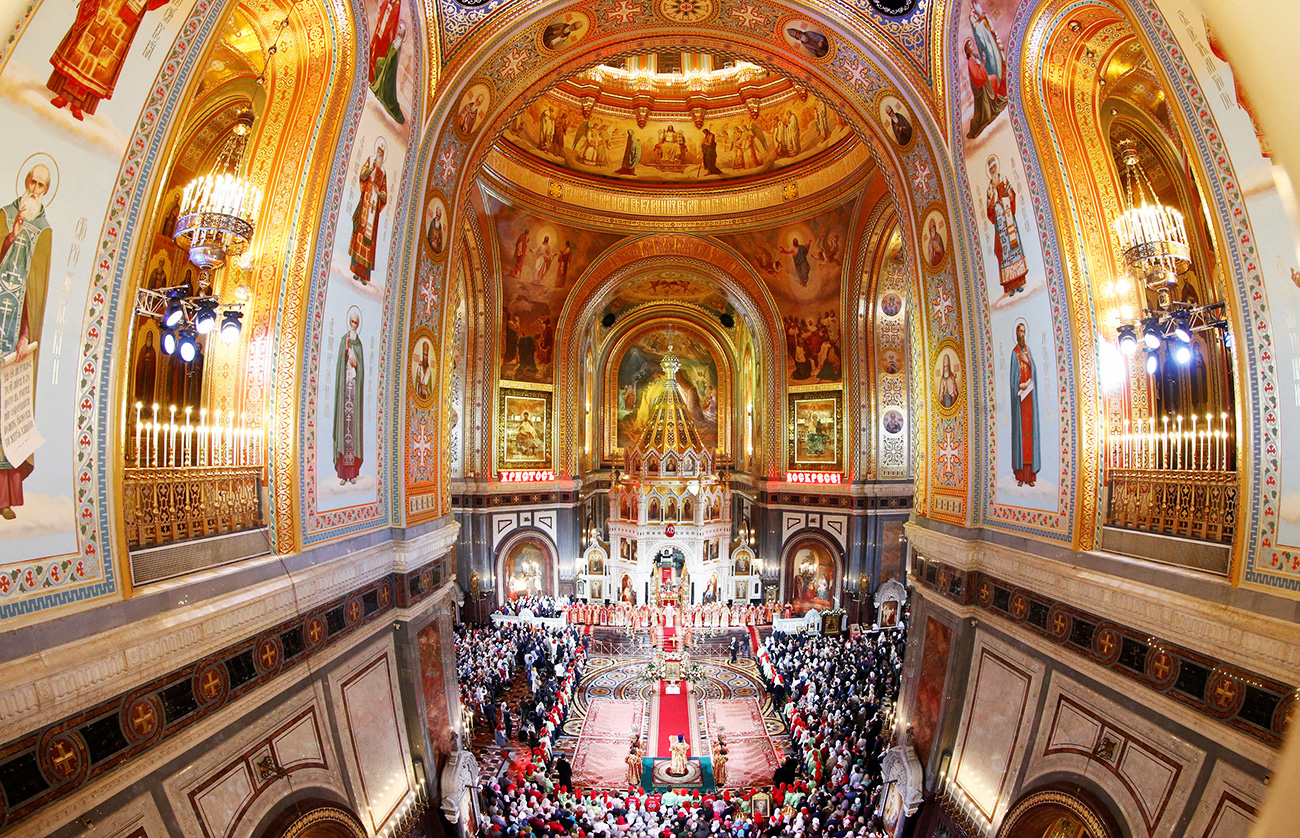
(1056, 813)
(324, 821)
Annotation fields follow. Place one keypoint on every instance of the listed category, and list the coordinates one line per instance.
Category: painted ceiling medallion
(894, 8)
(686, 11)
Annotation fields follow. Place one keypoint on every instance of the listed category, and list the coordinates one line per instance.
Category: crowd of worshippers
(552, 662)
(836, 695)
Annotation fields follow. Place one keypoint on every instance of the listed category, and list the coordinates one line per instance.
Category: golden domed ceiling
(676, 118)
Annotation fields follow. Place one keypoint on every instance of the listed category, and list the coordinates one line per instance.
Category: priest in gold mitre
(679, 751)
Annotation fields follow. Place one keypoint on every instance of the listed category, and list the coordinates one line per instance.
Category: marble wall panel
(996, 719)
(375, 738)
(930, 690)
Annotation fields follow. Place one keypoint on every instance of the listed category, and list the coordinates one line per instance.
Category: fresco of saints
(24, 279)
(424, 375)
(89, 59)
(386, 28)
(1026, 448)
(631, 155)
(349, 394)
(899, 125)
(948, 391)
(365, 218)
(818, 435)
(435, 229)
(383, 82)
(1000, 207)
(986, 69)
(527, 443)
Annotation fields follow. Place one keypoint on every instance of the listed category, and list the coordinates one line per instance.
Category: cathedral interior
(847, 418)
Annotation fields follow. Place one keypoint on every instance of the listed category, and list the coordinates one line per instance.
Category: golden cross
(354, 609)
(1058, 624)
(142, 718)
(268, 654)
(211, 684)
(315, 631)
(1225, 692)
(383, 595)
(1105, 642)
(1160, 666)
(984, 591)
(65, 761)
(1018, 607)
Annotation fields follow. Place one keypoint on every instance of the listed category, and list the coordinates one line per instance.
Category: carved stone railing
(167, 505)
(1189, 504)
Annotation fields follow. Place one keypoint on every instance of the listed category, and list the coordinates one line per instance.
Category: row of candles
(161, 441)
(1181, 443)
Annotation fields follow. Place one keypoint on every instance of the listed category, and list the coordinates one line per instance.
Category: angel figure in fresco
(1000, 207)
(89, 59)
(349, 395)
(384, 83)
(365, 218)
(1026, 447)
(24, 279)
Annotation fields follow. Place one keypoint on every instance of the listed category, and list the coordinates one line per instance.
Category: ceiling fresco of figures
(669, 285)
(676, 146)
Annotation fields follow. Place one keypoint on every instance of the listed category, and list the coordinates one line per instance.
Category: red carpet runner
(674, 718)
(753, 640)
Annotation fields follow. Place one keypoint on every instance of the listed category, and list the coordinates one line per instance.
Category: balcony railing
(166, 505)
(1184, 503)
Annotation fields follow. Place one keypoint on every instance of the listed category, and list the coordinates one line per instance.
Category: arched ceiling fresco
(672, 117)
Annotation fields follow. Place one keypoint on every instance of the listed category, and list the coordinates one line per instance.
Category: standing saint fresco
(1026, 448)
(365, 218)
(1000, 207)
(24, 279)
(349, 393)
(89, 59)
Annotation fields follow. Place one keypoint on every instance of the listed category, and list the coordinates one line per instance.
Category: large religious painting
(790, 128)
(527, 568)
(540, 260)
(815, 431)
(669, 284)
(1025, 391)
(348, 428)
(801, 264)
(639, 380)
(525, 431)
(812, 577)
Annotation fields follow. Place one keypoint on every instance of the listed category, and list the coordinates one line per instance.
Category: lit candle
(243, 440)
(1178, 437)
(154, 458)
(185, 439)
(1128, 446)
(138, 429)
(1164, 441)
(214, 439)
(1223, 449)
(171, 437)
(1195, 418)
